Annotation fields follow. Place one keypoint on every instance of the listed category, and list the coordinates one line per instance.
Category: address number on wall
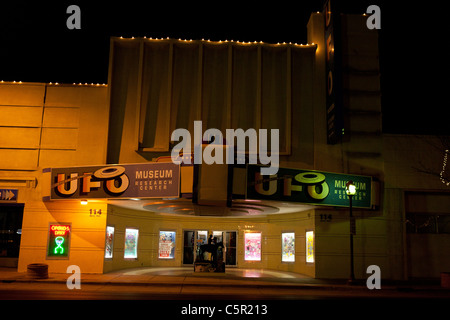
(95, 212)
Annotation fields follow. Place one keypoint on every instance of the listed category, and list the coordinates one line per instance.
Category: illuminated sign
(308, 186)
(147, 180)
(334, 99)
(58, 241)
(59, 230)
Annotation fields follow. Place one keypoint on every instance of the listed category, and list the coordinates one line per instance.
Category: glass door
(230, 248)
(228, 238)
(202, 238)
(192, 240)
(188, 246)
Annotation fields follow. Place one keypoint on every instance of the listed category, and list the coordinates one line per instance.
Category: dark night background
(36, 46)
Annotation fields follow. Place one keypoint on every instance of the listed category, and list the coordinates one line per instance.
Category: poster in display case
(131, 242)
(310, 246)
(288, 247)
(252, 246)
(109, 242)
(167, 244)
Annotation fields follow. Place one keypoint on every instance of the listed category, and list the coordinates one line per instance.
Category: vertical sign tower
(333, 56)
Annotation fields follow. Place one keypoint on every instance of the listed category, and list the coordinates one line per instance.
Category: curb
(232, 283)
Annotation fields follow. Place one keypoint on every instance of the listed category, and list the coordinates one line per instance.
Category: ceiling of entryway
(185, 207)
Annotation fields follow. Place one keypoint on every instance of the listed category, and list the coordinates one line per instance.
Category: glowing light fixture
(350, 188)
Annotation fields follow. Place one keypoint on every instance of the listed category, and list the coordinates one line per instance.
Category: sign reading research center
(147, 180)
(308, 186)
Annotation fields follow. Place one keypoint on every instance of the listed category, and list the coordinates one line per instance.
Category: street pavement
(244, 283)
(181, 292)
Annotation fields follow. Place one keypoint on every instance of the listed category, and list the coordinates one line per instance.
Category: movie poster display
(288, 247)
(109, 242)
(252, 246)
(131, 242)
(167, 244)
(310, 246)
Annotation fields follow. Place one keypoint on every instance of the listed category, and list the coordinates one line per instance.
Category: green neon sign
(58, 241)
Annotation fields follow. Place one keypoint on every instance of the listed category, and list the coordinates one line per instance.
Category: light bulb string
(444, 167)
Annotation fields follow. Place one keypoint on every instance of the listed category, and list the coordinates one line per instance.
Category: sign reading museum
(147, 180)
(308, 186)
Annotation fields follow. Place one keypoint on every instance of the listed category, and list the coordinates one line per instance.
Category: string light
(223, 41)
(444, 166)
(208, 41)
(58, 84)
(92, 84)
(9, 82)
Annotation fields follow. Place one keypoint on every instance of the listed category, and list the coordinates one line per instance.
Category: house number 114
(95, 212)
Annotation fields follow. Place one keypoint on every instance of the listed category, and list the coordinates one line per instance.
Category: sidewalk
(232, 278)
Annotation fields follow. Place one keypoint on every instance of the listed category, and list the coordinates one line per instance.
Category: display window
(288, 247)
(131, 243)
(310, 246)
(109, 242)
(167, 244)
(252, 242)
(58, 246)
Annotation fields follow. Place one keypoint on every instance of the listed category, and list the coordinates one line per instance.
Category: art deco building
(86, 176)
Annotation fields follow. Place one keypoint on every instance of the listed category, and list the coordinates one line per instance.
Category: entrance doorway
(11, 216)
(193, 239)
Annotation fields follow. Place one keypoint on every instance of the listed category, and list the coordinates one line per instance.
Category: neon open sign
(59, 230)
(58, 241)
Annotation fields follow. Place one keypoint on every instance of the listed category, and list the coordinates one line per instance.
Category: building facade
(85, 167)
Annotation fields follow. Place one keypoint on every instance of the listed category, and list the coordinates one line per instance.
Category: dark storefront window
(427, 223)
(10, 229)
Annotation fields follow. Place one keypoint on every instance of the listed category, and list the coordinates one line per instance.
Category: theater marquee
(148, 180)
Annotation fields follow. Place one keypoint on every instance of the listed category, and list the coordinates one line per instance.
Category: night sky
(36, 46)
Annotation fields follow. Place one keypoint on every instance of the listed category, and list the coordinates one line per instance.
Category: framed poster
(109, 242)
(252, 248)
(167, 244)
(131, 242)
(58, 245)
(288, 247)
(310, 246)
